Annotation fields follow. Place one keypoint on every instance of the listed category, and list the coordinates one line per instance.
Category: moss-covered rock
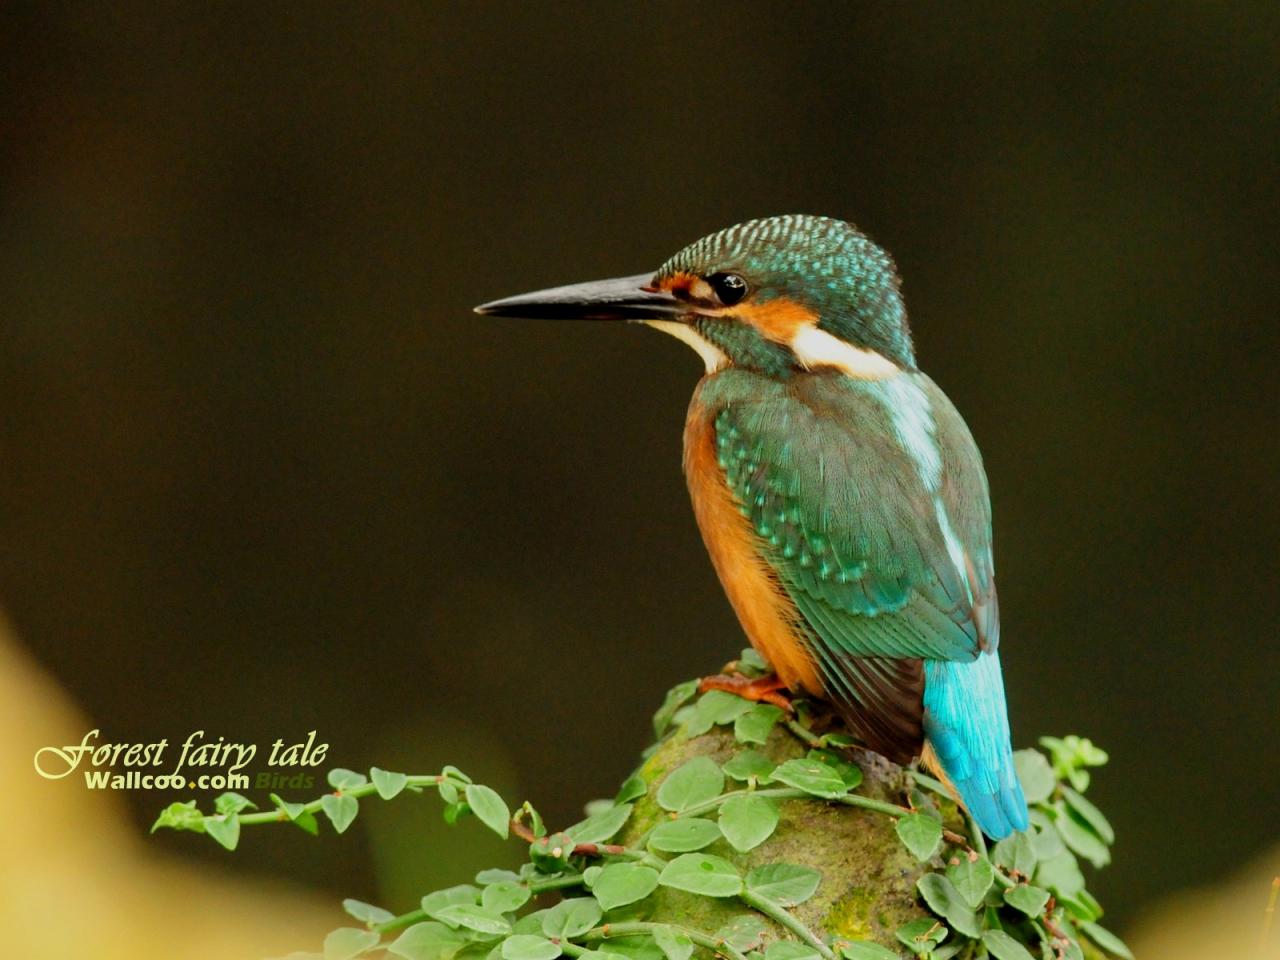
(868, 889)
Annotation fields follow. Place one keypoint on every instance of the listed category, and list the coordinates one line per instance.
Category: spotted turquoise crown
(827, 265)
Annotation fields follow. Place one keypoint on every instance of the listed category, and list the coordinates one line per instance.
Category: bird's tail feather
(966, 724)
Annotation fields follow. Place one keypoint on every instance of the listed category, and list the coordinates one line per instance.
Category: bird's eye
(729, 287)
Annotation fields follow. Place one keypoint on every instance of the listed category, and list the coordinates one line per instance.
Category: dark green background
(262, 471)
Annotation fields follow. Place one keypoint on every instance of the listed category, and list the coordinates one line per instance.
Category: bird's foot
(766, 689)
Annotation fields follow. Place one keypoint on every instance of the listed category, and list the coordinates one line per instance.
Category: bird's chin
(681, 328)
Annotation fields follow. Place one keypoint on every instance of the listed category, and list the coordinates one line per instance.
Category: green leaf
(346, 943)
(750, 661)
(721, 707)
(674, 944)
(485, 877)
(683, 836)
(473, 917)
(1036, 775)
(691, 784)
(1016, 853)
(712, 708)
(865, 950)
(601, 826)
(1107, 940)
(366, 912)
(749, 763)
(922, 935)
(633, 788)
(755, 724)
(430, 940)
(1077, 835)
(1071, 755)
(571, 918)
(180, 816)
(528, 946)
(1082, 906)
(342, 779)
(504, 896)
(307, 822)
(621, 883)
(790, 950)
(490, 808)
(812, 776)
(787, 884)
(291, 810)
(1003, 947)
(1061, 874)
(340, 809)
(232, 802)
(1090, 815)
(439, 900)
(748, 821)
(530, 923)
(676, 698)
(944, 900)
(743, 932)
(920, 834)
(226, 830)
(850, 773)
(972, 879)
(1047, 841)
(387, 784)
(702, 873)
(1030, 900)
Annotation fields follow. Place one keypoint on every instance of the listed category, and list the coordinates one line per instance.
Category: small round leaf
(691, 784)
(490, 808)
(684, 835)
(748, 821)
(702, 873)
(621, 883)
(786, 884)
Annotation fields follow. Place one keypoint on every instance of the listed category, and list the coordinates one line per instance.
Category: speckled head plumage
(821, 264)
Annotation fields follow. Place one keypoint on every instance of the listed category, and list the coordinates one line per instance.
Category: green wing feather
(851, 528)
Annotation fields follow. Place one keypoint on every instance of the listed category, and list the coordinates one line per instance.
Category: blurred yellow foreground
(77, 880)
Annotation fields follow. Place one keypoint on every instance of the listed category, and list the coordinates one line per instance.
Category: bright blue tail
(967, 724)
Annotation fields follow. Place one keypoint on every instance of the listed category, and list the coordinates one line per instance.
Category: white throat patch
(712, 356)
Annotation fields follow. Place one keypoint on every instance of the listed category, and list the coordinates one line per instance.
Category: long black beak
(625, 298)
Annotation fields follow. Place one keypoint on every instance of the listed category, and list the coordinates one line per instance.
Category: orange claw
(760, 689)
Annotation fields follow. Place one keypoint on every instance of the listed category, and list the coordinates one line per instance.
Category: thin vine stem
(279, 814)
(775, 912)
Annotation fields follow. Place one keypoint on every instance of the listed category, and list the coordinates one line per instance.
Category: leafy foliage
(1024, 899)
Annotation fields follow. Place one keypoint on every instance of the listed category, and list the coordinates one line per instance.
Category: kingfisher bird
(839, 493)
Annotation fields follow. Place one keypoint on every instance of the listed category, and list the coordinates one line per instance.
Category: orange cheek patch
(779, 319)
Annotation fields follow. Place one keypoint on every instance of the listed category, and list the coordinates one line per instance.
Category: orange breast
(767, 614)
